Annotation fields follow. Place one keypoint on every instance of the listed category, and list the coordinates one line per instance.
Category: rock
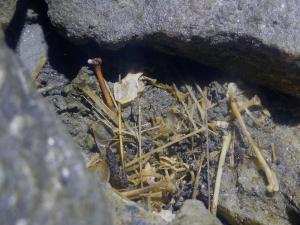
(243, 197)
(257, 40)
(127, 212)
(32, 47)
(7, 10)
(43, 179)
(77, 115)
(1, 37)
(193, 212)
(246, 202)
(38, 158)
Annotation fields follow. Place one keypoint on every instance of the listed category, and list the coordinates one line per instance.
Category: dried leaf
(128, 88)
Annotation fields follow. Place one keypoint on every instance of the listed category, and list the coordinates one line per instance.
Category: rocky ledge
(257, 40)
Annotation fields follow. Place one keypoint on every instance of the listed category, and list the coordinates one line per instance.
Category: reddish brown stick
(107, 98)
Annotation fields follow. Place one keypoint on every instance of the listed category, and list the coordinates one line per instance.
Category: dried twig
(46, 89)
(185, 108)
(103, 118)
(106, 94)
(42, 63)
(140, 140)
(161, 148)
(225, 147)
(231, 157)
(134, 167)
(200, 109)
(207, 157)
(99, 104)
(165, 184)
(121, 138)
(274, 157)
(112, 96)
(197, 179)
(206, 104)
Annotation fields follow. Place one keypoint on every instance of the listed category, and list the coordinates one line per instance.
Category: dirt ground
(169, 110)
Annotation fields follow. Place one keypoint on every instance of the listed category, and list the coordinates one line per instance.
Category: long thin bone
(225, 147)
(162, 185)
(273, 185)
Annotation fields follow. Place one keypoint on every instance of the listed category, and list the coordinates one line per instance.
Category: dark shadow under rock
(31, 35)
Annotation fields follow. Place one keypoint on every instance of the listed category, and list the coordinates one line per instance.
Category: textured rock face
(256, 39)
(7, 10)
(128, 212)
(193, 212)
(32, 38)
(243, 198)
(43, 179)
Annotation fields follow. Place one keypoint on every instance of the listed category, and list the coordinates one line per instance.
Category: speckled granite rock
(258, 40)
(32, 37)
(43, 179)
(7, 10)
(243, 198)
(127, 212)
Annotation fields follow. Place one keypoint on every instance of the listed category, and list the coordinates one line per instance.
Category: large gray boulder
(256, 39)
(43, 179)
